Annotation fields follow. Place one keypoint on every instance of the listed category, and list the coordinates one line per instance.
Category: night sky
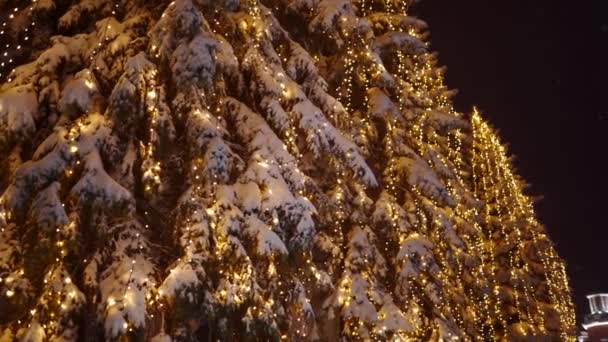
(538, 70)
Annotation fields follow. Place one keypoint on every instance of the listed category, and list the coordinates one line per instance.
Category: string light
(514, 208)
(9, 53)
(418, 89)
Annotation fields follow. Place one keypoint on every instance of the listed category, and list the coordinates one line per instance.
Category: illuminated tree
(250, 170)
(530, 283)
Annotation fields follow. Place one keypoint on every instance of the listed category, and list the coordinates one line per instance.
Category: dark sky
(538, 70)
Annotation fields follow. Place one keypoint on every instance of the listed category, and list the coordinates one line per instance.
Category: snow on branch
(124, 276)
(268, 242)
(381, 106)
(382, 21)
(445, 122)
(76, 12)
(415, 257)
(42, 73)
(47, 208)
(253, 128)
(333, 18)
(187, 275)
(322, 136)
(195, 62)
(59, 295)
(89, 136)
(391, 216)
(18, 110)
(398, 41)
(418, 174)
(97, 187)
(77, 95)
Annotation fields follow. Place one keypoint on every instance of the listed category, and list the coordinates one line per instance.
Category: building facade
(596, 322)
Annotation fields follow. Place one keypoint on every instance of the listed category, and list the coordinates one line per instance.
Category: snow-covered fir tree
(526, 272)
(254, 170)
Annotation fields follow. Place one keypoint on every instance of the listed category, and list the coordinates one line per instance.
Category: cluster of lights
(345, 94)
(57, 300)
(454, 156)
(8, 51)
(126, 299)
(151, 177)
(60, 297)
(485, 307)
(289, 139)
(423, 83)
(496, 179)
(59, 294)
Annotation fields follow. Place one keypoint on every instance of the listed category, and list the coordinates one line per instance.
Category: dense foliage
(254, 170)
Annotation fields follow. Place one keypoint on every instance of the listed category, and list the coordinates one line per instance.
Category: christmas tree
(255, 171)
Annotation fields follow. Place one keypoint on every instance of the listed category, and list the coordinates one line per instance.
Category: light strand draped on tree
(530, 281)
(254, 170)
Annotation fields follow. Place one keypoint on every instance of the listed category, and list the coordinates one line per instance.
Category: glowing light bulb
(89, 84)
